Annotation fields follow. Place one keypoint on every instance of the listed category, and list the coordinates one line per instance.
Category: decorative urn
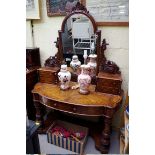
(64, 77)
(84, 80)
(75, 63)
(92, 64)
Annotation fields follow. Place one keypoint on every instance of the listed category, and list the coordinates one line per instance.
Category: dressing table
(105, 95)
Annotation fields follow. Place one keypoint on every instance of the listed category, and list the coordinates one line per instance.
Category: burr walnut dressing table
(71, 101)
(101, 101)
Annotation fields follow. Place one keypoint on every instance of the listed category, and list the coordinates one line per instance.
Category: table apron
(76, 109)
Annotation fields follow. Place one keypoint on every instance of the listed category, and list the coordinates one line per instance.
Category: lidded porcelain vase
(75, 63)
(92, 63)
(64, 77)
(84, 79)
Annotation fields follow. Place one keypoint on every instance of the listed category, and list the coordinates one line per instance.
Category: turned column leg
(105, 138)
(39, 113)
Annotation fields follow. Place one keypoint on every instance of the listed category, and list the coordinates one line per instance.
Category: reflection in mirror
(78, 37)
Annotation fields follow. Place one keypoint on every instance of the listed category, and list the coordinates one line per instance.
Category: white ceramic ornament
(75, 63)
(92, 64)
(64, 77)
(84, 80)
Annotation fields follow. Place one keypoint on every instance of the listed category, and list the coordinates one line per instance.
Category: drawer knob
(55, 104)
(74, 109)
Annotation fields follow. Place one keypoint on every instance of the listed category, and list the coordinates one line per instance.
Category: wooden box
(109, 83)
(32, 57)
(68, 143)
(48, 75)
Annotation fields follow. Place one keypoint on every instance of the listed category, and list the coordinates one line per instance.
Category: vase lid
(92, 56)
(63, 68)
(75, 57)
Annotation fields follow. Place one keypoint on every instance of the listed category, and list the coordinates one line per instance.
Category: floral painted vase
(92, 63)
(64, 77)
(75, 63)
(84, 80)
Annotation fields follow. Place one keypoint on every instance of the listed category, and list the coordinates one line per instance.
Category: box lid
(109, 76)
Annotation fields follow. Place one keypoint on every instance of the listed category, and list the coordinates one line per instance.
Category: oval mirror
(78, 36)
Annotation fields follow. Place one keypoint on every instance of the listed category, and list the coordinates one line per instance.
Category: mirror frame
(80, 9)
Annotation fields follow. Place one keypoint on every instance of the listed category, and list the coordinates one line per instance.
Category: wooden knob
(55, 104)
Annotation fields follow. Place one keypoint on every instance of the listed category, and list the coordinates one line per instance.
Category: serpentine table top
(70, 96)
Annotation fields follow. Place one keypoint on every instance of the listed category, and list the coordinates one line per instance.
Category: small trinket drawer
(109, 83)
(48, 74)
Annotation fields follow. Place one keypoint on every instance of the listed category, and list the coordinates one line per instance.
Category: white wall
(118, 49)
(46, 32)
(29, 39)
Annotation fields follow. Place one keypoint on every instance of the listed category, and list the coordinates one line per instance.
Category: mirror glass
(77, 37)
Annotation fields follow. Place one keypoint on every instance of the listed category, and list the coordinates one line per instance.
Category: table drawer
(77, 109)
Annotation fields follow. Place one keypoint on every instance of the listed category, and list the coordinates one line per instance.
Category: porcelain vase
(75, 63)
(84, 79)
(64, 77)
(92, 63)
